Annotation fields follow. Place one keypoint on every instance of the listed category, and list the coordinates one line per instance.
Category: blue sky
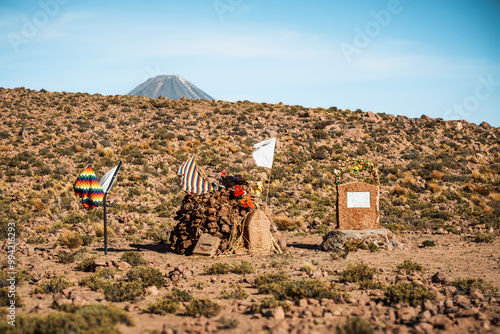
(407, 57)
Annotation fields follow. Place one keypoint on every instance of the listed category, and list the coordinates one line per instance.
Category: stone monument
(357, 206)
(358, 212)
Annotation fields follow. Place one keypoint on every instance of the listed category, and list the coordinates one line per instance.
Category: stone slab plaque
(358, 199)
(207, 245)
(357, 206)
(257, 233)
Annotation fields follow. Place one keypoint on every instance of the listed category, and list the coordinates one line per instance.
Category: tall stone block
(357, 206)
(257, 233)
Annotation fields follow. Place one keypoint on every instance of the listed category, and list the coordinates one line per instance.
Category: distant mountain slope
(435, 175)
(169, 86)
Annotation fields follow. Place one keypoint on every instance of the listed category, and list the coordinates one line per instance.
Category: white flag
(108, 178)
(264, 153)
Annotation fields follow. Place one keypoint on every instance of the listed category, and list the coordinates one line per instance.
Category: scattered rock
(278, 313)
(153, 290)
(439, 277)
(476, 294)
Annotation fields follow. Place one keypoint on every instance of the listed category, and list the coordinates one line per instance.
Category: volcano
(171, 87)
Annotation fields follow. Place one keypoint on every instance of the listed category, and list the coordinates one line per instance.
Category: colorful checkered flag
(88, 188)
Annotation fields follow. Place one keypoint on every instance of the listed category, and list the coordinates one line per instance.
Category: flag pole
(104, 205)
(270, 173)
(268, 185)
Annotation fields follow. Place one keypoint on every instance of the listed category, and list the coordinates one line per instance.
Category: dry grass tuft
(308, 188)
(495, 196)
(39, 206)
(486, 208)
(71, 239)
(41, 228)
(408, 181)
(108, 152)
(286, 224)
(472, 159)
(475, 199)
(308, 268)
(399, 191)
(435, 189)
(437, 175)
(478, 176)
(220, 142)
(233, 148)
(482, 191)
(99, 229)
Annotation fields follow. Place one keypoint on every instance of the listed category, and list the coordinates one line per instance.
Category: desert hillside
(437, 178)
(434, 174)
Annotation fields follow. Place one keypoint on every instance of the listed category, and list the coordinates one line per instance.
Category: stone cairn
(218, 213)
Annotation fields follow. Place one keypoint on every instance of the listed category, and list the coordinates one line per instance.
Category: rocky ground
(452, 310)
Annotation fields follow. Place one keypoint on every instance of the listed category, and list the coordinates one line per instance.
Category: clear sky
(408, 57)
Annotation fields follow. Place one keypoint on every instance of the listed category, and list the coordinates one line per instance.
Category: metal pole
(268, 185)
(105, 227)
(104, 205)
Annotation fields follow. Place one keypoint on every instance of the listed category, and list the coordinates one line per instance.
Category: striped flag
(87, 187)
(191, 180)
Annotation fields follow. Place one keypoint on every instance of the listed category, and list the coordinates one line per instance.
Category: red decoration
(238, 191)
(247, 202)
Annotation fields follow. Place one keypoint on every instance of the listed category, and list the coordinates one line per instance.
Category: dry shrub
(472, 159)
(197, 142)
(99, 230)
(286, 224)
(408, 181)
(220, 141)
(185, 148)
(486, 208)
(108, 152)
(482, 191)
(477, 176)
(469, 187)
(134, 176)
(475, 199)
(437, 175)
(329, 175)
(397, 190)
(435, 188)
(4, 148)
(233, 148)
(71, 239)
(392, 177)
(308, 268)
(495, 196)
(39, 206)
(41, 228)
(202, 306)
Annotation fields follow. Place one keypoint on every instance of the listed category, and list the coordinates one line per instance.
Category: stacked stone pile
(218, 213)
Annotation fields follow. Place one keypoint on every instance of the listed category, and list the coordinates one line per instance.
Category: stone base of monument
(381, 237)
